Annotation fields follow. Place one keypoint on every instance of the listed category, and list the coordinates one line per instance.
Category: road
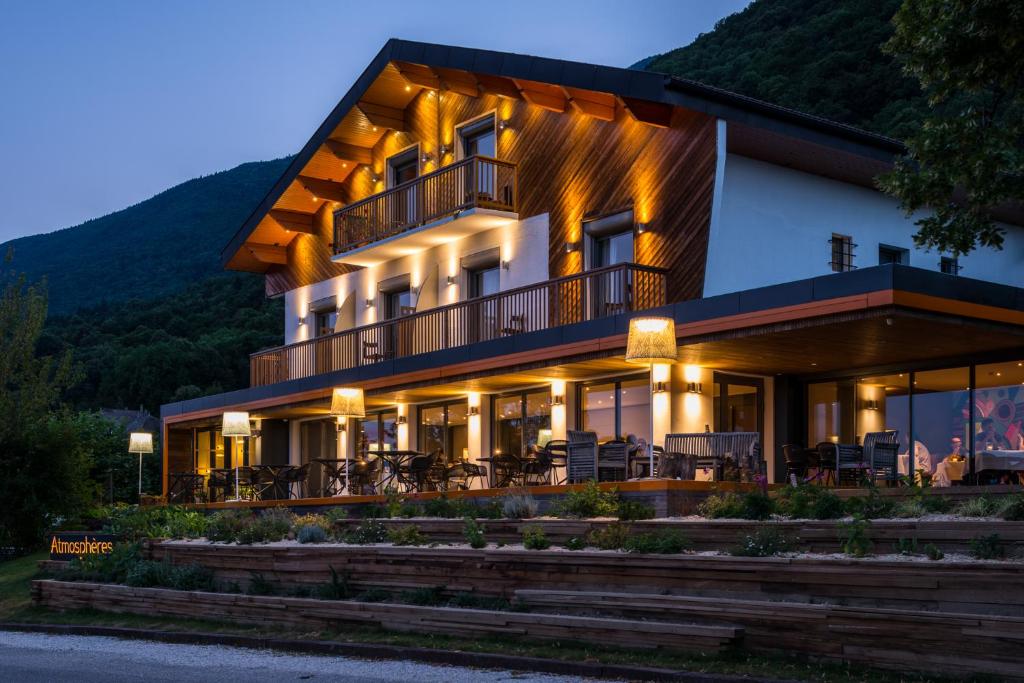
(35, 658)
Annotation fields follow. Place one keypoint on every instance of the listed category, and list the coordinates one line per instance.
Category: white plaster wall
(524, 244)
(772, 225)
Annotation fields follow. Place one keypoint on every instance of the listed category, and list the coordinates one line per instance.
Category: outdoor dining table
(333, 476)
(183, 487)
(509, 478)
(277, 484)
(396, 467)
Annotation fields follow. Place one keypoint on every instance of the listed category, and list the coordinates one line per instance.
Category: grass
(15, 606)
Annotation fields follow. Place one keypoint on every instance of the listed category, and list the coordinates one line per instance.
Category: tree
(967, 158)
(45, 469)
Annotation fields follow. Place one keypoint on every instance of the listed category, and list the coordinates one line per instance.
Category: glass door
(738, 404)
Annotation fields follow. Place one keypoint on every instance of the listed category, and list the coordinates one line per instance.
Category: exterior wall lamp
(452, 280)
(558, 400)
(694, 388)
(506, 265)
(401, 420)
(660, 387)
(473, 411)
(641, 228)
(571, 247)
(871, 404)
(369, 303)
(504, 124)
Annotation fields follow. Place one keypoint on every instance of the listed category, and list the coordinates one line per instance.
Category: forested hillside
(817, 56)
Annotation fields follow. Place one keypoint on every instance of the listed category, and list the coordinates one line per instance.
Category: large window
(616, 408)
(999, 422)
(444, 429)
(477, 138)
(609, 239)
(521, 420)
(738, 403)
(378, 431)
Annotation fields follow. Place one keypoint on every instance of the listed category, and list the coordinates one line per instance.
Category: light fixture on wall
(660, 387)
(374, 178)
(302, 321)
(504, 124)
(401, 420)
(558, 400)
(473, 411)
(871, 404)
(444, 149)
(452, 280)
(426, 157)
(506, 265)
(369, 303)
(694, 388)
(571, 247)
(641, 228)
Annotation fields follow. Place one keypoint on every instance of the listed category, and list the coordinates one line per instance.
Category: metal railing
(621, 288)
(474, 182)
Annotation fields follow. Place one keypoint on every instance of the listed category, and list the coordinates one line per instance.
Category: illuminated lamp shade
(235, 424)
(347, 402)
(140, 442)
(651, 340)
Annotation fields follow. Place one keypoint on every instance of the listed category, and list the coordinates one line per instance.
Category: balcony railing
(576, 298)
(475, 182)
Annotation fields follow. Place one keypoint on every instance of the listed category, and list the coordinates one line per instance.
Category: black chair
(220, 483)
(537, 470)
(611, 461)
(508, 470)
(363, 476)
(557, 451)
(461, 474)
(422, 473)
(796, 461)
(295, 481)
(826, 461)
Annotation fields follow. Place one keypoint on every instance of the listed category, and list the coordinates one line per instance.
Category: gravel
(33, 657)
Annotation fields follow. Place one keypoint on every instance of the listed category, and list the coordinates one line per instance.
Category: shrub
(932, 552)
(319, 521)
(449, 508)
(492, 509)
(473, 532)
(134, 523)
(392, 502)
(429, 597)
(534, 538)
(590, 501)
(871, 506)
(906, 546)
(113, 567)
(1012, 508)
(225, 525)
(609, 536)
(409, 509)
(988, 547)
(662, 541)
(374, 595)
(576, 543)
(273, 524)
(259, 585)
(369, 531)
(311, 534)
(854, 537)
(981, 506)
(163, 574)
(519, 505)
(753, 505)
(336, 514)
(936, 504)
(632, 510)
(910, 508)
(472, 601)
(338, 588)
(809, 502)
(764, 542)
(409, 534)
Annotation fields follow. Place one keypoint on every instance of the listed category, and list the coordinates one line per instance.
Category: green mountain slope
(149, 250)
(816, 56)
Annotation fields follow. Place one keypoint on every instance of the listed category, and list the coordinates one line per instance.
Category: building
(468, 233)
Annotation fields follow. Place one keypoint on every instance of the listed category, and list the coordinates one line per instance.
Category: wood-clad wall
(570, 166)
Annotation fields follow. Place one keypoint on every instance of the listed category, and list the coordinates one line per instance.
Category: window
(738, 403)
(521, 420)
(897, 255)
(616, 408)
(940, 407)
(950, 265)
(444, 429)
(403, 167)
(378, 431)
(325, 322)
(842, 253)
(478, 138)
(483, 281)
(609, 239)
(998, 422)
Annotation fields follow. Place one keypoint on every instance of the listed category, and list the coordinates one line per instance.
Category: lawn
(16, 607)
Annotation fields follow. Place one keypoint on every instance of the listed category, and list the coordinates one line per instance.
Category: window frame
(447, 425)
(617, 380)
(902, 253)
(474, 125)
(844, 248)
(394, 160)
(523, 399)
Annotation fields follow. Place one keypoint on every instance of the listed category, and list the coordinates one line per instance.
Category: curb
(476, 660)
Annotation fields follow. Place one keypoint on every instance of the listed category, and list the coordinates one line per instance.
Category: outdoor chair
(537, 470)
(219, 484)
(850, 464)
(508, 470)
(461, 474)
(881, 453)
(611, 461)
(421, 469)
(363, 476)
(825, 461)
(581, 456)
(796, 462)
(295, 481)
(557, 453)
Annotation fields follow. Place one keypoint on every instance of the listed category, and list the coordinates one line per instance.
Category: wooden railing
(594, 294)
(475, 182)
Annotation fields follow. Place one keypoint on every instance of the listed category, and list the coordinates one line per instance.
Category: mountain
(816, 56)
(150, 250)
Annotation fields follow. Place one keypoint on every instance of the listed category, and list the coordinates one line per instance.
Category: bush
(336, 514)
(591, 501)
(113, 567)
(449, 508)
(273, 524)
(910, 508)
(932, 552)
(609, 537)
(163, 574)
(662, 541)
(936, 504)
(534, 538)
(871, 506)
(259, 585)
(854, 537)
(633, 510)
(576, 543)
(428, 597)
(519, 505)
(374, 595)
(906, 546)
(981, 506)
(988, 547)
(369, 531)
(764, 542)
(809, 502)
(1012, 508)
(225, 525)
(320, 522)
(311, 534)
(473, 532)
(407, 535)
(134, 523)
(753, 505)
(338, 588)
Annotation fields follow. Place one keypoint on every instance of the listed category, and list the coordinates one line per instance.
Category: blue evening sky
(104, 104)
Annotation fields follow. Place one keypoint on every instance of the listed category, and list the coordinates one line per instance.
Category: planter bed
(964, 587)
(328, 614)
(951, 535)
(942, 642)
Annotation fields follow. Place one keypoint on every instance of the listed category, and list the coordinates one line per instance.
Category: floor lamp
(651, 340)
(346, 402)
(235, 425)
(139, 442)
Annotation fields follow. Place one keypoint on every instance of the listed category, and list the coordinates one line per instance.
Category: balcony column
(662, 403)
(476, 429)
(559, 409)
(402, 431)
(693, 410)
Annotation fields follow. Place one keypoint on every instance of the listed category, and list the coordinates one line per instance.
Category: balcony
(469, 196)
(621, 288)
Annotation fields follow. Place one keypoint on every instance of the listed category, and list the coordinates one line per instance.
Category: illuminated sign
(67, 545)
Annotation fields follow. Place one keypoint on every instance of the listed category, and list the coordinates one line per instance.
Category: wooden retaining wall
(327, 614)
(808, 535)
(943, 642)
(965, 587)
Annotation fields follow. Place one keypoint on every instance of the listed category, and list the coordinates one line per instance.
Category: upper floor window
(326, 321)
(897, 255)
(478, 138)
(484, 280)
(950, 265)
(403, 167)
(842, 253)
(609, 239)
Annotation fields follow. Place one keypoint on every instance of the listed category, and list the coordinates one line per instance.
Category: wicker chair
(557, 452)
(611, 461)
(881, 453)
(295, 481)
(796, 461)
(581, 456)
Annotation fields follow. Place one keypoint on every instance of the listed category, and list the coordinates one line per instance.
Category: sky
(104, 104)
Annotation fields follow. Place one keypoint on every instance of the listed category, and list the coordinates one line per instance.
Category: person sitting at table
(952, 466)
(988, 439)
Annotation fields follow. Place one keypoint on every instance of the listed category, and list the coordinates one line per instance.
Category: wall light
(473, 411)
(871, 404)
(660, 387)
(369, 303)
(374, 178)
(426, 158)
(641, 228)
(694, 388)
(401, 420)
(571, 247)
(453, 280)
(504, 124)
(558, 400)
(444, 149)
(506, 265)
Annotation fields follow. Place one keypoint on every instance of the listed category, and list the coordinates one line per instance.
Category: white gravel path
(34, 657)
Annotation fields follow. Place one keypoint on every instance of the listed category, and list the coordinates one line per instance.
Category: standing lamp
(139, 442)
(651, 340)
(235, 425)
(347, 402)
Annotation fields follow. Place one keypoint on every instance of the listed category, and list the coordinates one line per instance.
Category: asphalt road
(35, 658)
